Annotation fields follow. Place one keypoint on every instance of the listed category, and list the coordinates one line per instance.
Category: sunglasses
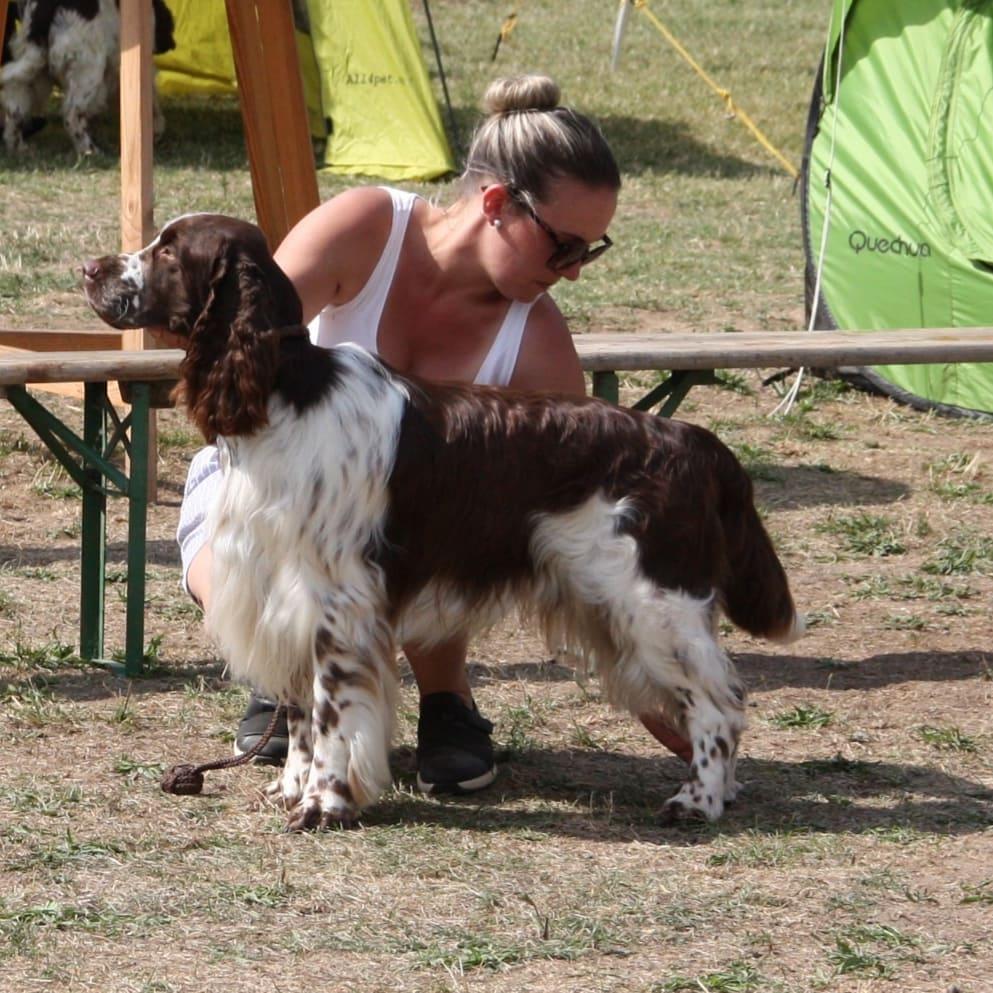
(567, 253)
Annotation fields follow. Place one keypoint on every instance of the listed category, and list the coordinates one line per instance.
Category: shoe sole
(258, 759)
(465, 786)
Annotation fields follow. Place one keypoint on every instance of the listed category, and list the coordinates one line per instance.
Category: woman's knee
(198, 576)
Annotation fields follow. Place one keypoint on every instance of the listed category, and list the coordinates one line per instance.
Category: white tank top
(358, 320)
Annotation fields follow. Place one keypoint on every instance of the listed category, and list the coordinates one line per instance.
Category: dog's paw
(691, 804)
(309, 816)
(278, 795)
(732, 790)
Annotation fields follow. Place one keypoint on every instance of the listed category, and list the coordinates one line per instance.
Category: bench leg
(606, 386)
(134, 645)
(672, 390)
(93, 542)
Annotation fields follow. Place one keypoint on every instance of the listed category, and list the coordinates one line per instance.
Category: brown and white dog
(75, 44)
(360, 507)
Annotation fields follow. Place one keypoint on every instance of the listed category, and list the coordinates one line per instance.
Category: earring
(497, 223)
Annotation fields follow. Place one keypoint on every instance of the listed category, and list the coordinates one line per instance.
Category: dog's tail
(756, 591)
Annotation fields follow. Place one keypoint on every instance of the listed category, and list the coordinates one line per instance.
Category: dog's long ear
(229, 368)
(242, 297)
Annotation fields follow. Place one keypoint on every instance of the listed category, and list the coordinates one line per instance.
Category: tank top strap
(498, 366)
(358, 320)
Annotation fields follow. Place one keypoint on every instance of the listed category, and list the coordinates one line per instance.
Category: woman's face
(571, 212)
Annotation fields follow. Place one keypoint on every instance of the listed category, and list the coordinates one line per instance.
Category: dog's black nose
(91, 269)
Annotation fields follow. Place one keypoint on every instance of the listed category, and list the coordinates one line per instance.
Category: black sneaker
(253, 725)
(454, 750)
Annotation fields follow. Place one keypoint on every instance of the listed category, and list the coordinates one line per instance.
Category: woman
(457, 294)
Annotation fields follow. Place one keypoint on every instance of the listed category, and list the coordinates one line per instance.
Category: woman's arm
(547, 361)
(330, 254)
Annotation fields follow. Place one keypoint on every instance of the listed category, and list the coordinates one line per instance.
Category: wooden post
(274, 113)
(4, 4)
(137, 222)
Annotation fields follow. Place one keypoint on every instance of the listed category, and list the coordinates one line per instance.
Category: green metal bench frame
(87, 460)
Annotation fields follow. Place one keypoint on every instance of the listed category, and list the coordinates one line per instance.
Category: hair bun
(518, 93)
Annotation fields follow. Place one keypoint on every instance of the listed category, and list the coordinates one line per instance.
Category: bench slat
(20, 368)
(598, 352)
(608, 352)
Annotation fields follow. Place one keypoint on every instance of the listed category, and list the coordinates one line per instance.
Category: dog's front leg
(351, 726)
(289, 786)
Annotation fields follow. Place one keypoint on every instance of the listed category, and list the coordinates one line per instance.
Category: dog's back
(675, 489)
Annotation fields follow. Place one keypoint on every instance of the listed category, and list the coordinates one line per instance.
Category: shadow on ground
(781, 487)
(618, 798)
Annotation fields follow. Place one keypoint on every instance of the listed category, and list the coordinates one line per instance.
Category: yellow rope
(724, 94)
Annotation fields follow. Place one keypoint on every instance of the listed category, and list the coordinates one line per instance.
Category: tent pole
(456, 139)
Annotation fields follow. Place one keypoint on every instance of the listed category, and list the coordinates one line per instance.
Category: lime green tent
(363, 71)
(899, 167)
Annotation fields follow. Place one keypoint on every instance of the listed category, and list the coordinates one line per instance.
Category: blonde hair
(528, 140)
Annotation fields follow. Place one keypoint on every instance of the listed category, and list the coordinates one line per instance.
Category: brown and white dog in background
(361, 508)
(76, 45)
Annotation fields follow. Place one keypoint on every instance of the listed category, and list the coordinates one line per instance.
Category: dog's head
(212, 281)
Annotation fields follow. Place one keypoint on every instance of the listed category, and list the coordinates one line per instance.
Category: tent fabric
(203, 62)
(362, 68)
(910, 235)
(375, 89)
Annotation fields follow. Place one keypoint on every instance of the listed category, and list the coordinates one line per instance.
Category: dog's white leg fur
(17, 91)
(351, 724)
(84, 98)
(297, 609)
(651, 648)
(289, 785)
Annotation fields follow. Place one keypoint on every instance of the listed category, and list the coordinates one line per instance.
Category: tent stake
(456, 140)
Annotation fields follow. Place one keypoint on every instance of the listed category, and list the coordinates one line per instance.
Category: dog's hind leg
(710, 699)
(18, 80)
(351, 723)
(669, 660)
(654, 649)
(714, 732)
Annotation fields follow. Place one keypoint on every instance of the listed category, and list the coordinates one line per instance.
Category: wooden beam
(25, 368)
(270, 89)
(3, 21)
(45, 340)
(137, 221)
(136, 124)
(611, 352)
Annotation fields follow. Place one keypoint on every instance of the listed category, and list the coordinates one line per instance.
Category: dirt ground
(859, 857)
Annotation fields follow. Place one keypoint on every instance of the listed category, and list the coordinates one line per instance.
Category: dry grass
(858, 858)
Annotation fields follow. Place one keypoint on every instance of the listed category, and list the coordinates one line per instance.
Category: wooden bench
(692, 359)
(687, 358)
(87, 459)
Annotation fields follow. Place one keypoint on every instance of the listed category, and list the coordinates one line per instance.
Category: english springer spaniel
(361, 508)
(75, 44)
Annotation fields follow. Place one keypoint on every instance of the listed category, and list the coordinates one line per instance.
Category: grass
(963, 553)
(866, 534)
(949, 739)
(737, 977)
(802, 716)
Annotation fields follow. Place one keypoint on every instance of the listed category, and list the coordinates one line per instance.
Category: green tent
(899, 164)
(363, 71)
